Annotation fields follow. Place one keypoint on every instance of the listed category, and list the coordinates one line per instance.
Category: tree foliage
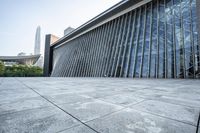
(22, 71)
(2, 68)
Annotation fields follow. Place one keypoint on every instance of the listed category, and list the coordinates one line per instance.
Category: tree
(2, 68)
(23, 71)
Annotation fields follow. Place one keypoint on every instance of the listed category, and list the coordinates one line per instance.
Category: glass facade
(157, 40)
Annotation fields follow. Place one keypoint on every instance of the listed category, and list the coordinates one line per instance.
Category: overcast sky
(20, 18)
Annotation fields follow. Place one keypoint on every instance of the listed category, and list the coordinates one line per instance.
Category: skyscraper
(37, 41)
(40, 61)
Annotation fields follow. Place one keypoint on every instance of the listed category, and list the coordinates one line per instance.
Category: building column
(48, 54)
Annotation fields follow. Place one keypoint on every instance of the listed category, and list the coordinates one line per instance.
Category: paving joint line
(58, 106)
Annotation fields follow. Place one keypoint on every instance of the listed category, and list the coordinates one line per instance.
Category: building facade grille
(156, 40)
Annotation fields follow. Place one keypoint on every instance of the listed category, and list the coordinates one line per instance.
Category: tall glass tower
(37, 41)
(40, 61)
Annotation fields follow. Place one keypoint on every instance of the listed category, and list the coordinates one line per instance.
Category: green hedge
(2, 68)
(20, 71)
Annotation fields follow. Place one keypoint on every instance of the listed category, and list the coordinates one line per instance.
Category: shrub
(2, 68)
(22, 71)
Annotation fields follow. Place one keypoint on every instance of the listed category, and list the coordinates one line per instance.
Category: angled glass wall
(156, 40)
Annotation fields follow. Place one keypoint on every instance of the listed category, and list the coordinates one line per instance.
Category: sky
(20, 18)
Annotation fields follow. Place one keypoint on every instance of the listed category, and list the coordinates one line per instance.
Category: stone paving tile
(90, 110)
(178, 101)
(177, 95)
(100, 94)
(56, 90)
(23, 104)
(199, 130)
(169, 106)
(52, 91)
(183, 88)
(68, 98)
(68, 90)
(172, 111)
(157, 94)
(13, 95)
(123, 99)
(10, 81)
(189, 96)
(42, 120)
(78, 129)
(132, 121)
(149, 93)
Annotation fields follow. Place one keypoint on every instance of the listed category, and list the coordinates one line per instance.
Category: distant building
(16, 60)
(37, 41)
(68, 30)
(21, 54)
(40, 61)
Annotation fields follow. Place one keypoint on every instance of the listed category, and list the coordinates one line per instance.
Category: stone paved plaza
(103, 105)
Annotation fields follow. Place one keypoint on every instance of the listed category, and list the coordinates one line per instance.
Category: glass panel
(139, 43)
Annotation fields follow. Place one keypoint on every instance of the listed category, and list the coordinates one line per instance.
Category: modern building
(68, 30)
(134, 38)
(16, 60)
